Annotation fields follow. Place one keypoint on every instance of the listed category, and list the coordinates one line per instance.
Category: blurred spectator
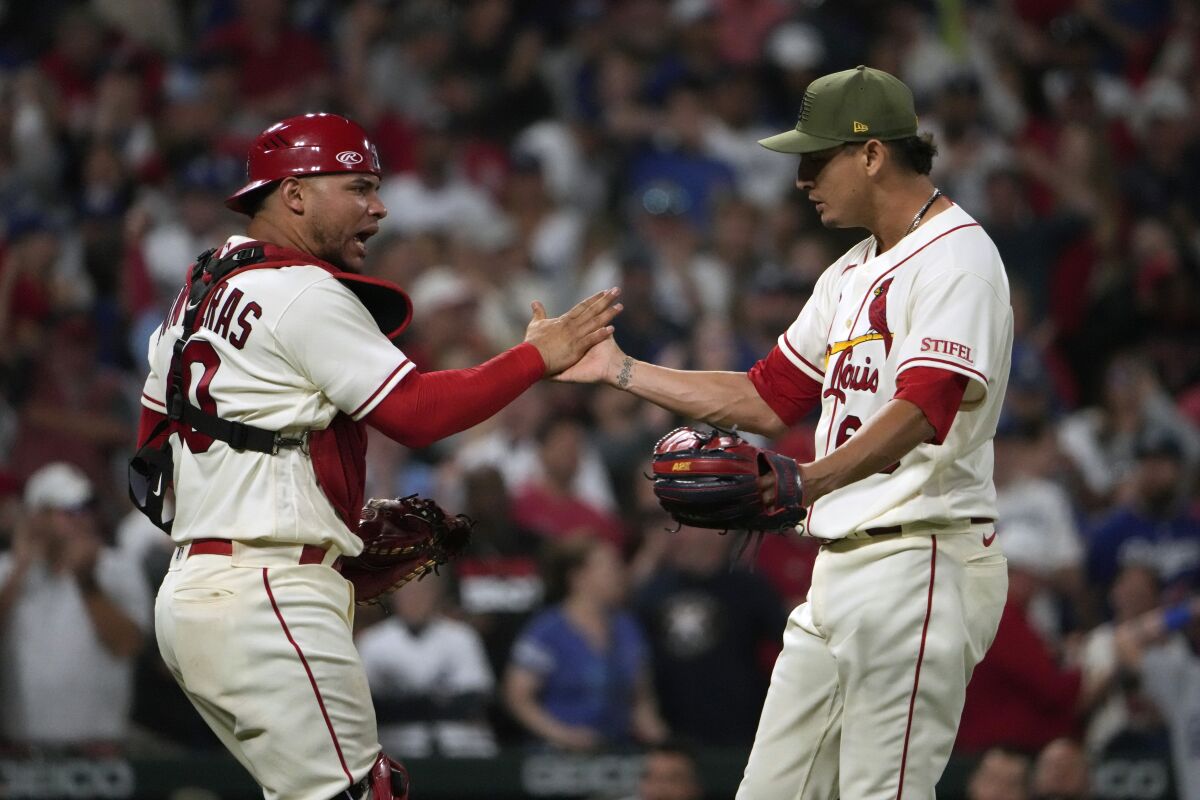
(1000, 775)
(969, 150)
(436, 197)
(1134, 592)
(1159, 648)
(388, 58)
(1061, 772)
(1036, 525)
(281, 70)
(511, 446)
(669, 772)
(499, 586)
(1019, 695)
(73, 617)
(548, 505)
(1101, 441)
(731, 135)
(1030, 243)
(646, 327)
(552, 236)
(579, 678)
(75, 410)
(677, 158)
(429, 676)
(709, 627)
(1151, 527)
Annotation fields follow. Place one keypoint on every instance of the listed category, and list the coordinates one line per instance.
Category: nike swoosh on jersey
(989, 538)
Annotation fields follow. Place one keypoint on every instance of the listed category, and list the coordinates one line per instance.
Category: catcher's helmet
(306, 145)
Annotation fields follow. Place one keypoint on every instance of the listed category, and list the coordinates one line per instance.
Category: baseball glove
(710, 480)
(403, 539)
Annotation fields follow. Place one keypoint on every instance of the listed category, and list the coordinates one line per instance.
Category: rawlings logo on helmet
(349, 158)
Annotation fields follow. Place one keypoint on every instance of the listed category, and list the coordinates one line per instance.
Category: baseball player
(905, 345)
(262, 377)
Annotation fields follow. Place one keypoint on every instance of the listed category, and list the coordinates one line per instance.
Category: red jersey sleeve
(789, 392)
(937, 392)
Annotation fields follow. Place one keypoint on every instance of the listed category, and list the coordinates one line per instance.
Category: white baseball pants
(866, 696)
(262, 646)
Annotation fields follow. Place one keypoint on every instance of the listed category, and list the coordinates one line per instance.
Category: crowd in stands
(542, 149)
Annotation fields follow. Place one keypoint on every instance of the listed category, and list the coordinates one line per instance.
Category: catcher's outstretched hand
(564, 340)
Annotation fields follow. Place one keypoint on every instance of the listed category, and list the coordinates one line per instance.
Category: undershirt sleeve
(426, 407)
(937, 392)
(790, 391)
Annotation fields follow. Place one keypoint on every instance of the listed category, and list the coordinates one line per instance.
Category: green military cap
(851, 106)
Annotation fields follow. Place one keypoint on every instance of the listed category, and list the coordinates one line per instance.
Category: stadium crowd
(546, 149)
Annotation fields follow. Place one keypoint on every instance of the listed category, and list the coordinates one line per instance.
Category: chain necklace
(917, 219)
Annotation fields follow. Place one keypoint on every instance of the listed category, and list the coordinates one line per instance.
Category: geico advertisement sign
(552, 774)
(66, 779)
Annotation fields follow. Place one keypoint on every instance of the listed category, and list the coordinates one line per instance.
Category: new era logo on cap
(860, 127)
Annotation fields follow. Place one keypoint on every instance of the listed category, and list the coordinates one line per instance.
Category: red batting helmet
(306, 145)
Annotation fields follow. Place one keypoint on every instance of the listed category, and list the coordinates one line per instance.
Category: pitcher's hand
(601, 364)
(564, 340)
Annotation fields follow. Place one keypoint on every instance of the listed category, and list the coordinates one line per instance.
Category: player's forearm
(881, 442)
(725, 399)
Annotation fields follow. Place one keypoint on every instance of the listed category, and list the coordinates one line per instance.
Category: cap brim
(798, 142)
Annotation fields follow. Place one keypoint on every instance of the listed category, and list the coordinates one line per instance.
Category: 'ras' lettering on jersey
(851, 377)
(222, 316)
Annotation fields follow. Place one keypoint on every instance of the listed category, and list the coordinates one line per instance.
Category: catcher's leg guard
(386, 780)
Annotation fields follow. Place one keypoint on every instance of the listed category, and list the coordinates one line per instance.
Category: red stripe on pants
(912, 700)
(313, 681)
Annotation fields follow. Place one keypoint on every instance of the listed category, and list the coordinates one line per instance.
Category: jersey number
(199, 352)
(849, 425)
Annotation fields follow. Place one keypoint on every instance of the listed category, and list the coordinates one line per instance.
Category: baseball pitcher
(905, 346)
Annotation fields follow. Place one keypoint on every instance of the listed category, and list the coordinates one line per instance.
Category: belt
(893, 529)
(309, 554)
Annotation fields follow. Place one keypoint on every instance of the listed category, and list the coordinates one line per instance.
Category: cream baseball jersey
(938, 298)
(283, 349)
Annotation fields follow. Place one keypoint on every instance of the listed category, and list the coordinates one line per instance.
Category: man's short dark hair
(254, 201)
(914, 152)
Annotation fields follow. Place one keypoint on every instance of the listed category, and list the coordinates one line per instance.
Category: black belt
(890, 529)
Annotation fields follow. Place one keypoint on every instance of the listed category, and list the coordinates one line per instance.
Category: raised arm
(724, 399)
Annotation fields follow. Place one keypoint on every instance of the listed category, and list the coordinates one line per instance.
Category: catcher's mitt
(710, 480)
(403, 539)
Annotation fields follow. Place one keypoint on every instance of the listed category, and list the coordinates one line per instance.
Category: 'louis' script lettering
(853, 377)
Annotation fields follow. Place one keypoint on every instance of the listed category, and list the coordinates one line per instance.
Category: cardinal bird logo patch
(877, 314)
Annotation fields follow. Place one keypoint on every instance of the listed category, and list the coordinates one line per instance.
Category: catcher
(274, 357)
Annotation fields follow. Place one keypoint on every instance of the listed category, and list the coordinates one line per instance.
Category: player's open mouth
(361, 237)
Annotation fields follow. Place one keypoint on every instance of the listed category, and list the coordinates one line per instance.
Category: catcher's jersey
(939, 298)
(282, 349)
